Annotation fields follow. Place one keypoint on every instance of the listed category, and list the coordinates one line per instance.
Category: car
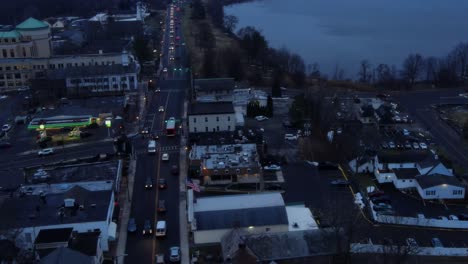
(290, 137)
(171, 58)
(387, 212)
(384, 145)
(423, 145)
(6, 128)
(131, 227)
(165, 157)
(339, 131)
(406, 132)
(161, 206)
(381, 199)
(436, 242)
(4, 145)
(165, 70)
(161, 109)
(376, 193)
(261, 118)
(162, 183)
(160, 259)
(453, 217)
(45, 152)
(411, 242)
(415, 145)
(391, 145)
(158, 90)
(407, 145)
(383, 206)
(149, 182)
(272, 167)
(175, 170)
(174, 254)
(144, 130)
(147, 229)
(440, 217)
(340, 182)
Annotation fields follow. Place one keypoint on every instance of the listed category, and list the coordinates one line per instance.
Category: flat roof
(300, 218)
(53, 235)
(213, 84)
(405, 156)
(226, 156)
(32, 210)
(211, 108)
(406, 173)
(238, 201)
(92, 70)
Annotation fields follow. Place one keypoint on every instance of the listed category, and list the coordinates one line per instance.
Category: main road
(173, 84)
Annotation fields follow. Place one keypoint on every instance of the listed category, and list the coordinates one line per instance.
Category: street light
(108, 123)
(41, 126)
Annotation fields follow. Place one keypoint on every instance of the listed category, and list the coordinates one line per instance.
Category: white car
(423, 145)
(272, 167)
(453, 217)
(174, 255)
(415, 145)
(165, 157)
(6, 128)
(261, 118)
(161, 109)
(290, 137)
(45, 152)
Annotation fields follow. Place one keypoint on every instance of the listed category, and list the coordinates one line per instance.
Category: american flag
(193, 185)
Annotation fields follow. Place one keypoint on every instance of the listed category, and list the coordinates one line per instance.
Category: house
(365, 164)
(226, 164)
(213, 90)
(438, 186)
(385, 161)
(212, 218)
(66, 255)
(211, 117)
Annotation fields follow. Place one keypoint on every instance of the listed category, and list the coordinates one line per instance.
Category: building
(211, 117)
(66, 255)
(225, 164)
(26, 53)
(438, 186)
(213, 90)
(212, 218)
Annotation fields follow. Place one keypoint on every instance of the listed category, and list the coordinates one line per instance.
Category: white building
(213, 90)
(211, 117)
(211, 218)
(440, 186)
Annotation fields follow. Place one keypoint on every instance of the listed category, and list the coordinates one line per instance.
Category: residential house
(211, 117)
(439, 186)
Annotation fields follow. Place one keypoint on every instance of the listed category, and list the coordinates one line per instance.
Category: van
(152, 146)
(161, 228)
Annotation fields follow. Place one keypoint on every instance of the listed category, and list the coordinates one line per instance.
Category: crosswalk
(161, 149)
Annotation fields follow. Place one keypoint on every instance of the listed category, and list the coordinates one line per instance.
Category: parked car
(415, 145)
(160, 259)
(131, 225)
(161, 206)
(391, 145)
(149, 182)
(147, 229)
(290, 137)
(340, 182)
(376, 193)
(384, 145)
(406, 132)
(383, 206)
(381, 199)
(45, 152)
(411, 242)
(174, 254)
(423, 145)
(272, 167)
(453, 217)
(407, 145)
(6, 128)
(387, 212)
(161, 109)
(162, 183)
(436, 242)
(165, 157)
(442, 217)
(261, 118)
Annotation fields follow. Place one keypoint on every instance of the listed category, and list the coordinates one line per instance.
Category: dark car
(131, 225)
(175, 170)
(147, 229)
(149, 183)
(376, 193)
(340, 182)
(381, 199)
(162, 183)
(161, 206)
(5, 145)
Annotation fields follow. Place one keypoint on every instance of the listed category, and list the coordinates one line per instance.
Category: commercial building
(211, 117)
(225, 164)
(213, 90)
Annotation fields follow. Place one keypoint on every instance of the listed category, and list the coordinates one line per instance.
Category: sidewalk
(28, 152)
(183, 225)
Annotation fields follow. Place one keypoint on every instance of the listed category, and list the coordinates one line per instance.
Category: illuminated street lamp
(108, 123)
(41, 126)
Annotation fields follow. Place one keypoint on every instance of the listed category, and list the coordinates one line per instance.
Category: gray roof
(428, 181)
(66, 255)
(406, 173)
(91, 71)
(214, 84)
(238, 201)
(32, 210)
(53, 235)
(408, 156)
(211, 108)
(226, 219)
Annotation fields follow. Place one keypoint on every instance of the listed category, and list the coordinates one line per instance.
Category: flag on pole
(193, 185)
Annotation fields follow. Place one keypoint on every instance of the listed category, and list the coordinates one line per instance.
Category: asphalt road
(142, 249)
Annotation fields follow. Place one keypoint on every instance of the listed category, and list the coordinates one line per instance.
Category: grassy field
(459, 115)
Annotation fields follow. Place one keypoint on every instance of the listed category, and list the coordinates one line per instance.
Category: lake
(343, 32)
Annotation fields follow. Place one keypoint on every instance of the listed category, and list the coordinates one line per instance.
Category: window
(457, 192)
(194, 120)
(229, 128)
(69, 64)
(13, 40)
(60, 66)
(238, 171)
(206, 119)
(217, 128)
(249, 171)
(195, 129)
(131, 79)
(4, 52)
(7, 68)
(17, 76)
(123, 78)
(430, 192)
(226, 171)
(404, 180)
(24, 52)
(6, 40)
(229, 118)
(12, 53)
(15, 67)
(206, 129)
(217, 119)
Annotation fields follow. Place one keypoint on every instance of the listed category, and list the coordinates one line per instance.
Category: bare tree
(338, 74)
(230, 22)
(431, 64)
(365, 72)
(412, 68)
(460, 55)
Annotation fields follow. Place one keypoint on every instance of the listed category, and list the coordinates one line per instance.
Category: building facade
(211, 117)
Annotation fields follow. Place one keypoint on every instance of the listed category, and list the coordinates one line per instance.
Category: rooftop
(32, 24)
(406, 156)
(406, 173)
(9, 34)
(211, 108)
(428, 181)
(54, 235)
(43, 210)
(85, 243)
(234, 202)
(300, 218)
(226, 156)
(66, 255)
(214, 84)
(94, 70)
